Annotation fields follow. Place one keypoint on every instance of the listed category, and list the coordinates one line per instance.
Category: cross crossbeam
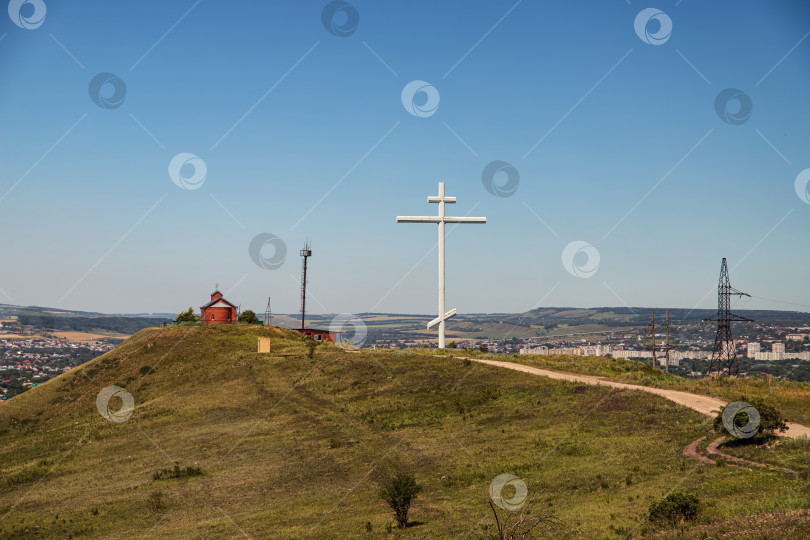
(440, 220)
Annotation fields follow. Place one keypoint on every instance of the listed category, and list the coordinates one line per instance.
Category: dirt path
(692, 451)
(712, 449)
(709, 406)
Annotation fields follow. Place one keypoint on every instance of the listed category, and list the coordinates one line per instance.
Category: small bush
(176, 472)
(522, 525)
(146, 370)
(155, 501)
(675, 509)
(800, 443)
(398, 492)
(334, 442)
(311, 346)
(490, 394)
(32, 474)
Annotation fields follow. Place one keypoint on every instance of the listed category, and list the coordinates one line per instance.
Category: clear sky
(623, 143)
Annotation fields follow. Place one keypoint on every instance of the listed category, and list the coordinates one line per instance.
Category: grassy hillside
(792, 398)
(289, 446)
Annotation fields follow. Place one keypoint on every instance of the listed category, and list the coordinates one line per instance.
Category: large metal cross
(441, 219)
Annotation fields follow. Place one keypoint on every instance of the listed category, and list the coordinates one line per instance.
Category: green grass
(792, 454)
(292, 447)
(791, 398)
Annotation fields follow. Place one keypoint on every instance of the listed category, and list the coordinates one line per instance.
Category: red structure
(218, 310)
(317, 335)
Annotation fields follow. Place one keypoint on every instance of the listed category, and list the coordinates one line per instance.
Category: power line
(780, 301)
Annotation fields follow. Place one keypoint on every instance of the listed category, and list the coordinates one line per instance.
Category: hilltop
(287, 446)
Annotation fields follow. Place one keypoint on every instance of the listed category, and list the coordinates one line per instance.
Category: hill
(52, 319)
(286, 446)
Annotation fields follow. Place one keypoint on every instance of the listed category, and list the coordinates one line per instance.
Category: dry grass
(292, 447)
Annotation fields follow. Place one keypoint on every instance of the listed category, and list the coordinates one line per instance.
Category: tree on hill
(187, 316)
(248, 317)
(770, 419)
(398, 491)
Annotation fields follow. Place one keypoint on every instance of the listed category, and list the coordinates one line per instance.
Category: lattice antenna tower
(667, 348)
(267, 313)
(724, 355)
(652, 332)
(306, 253)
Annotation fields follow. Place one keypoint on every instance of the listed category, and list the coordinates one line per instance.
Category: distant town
(32, 351)
(28, 362)
(762, 350)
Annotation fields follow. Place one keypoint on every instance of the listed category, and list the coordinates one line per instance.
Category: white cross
(441, 219)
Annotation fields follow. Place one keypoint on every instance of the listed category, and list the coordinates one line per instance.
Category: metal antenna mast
(267, 313)
(652, 323)
(724, 355)
(305, 253)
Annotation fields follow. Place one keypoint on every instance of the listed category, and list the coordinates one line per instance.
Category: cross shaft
(441, 219)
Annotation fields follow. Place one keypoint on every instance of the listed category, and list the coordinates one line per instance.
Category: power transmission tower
(724, 355)
(267, 313)
(305, 254)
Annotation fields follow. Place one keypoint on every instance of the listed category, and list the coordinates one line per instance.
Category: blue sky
(303, 133)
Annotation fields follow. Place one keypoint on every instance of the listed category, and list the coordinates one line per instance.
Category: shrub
(770, 419)
(155, 501)
(334, 442)
(248, 316)
(311, 346)
(31, 474)
(398, 491)
(514, 525)
(675, 509)
(187, 316)
(176, 472)
(146, 370)
(801, 443)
